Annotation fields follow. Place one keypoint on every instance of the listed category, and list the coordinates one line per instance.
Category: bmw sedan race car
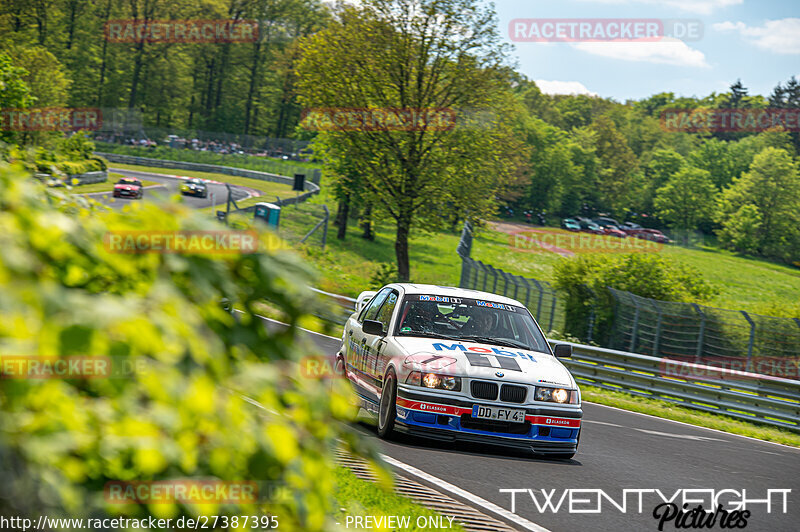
(194, 187)
(128, 187)
(460, 365)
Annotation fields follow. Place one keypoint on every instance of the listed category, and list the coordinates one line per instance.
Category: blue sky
(755, 40)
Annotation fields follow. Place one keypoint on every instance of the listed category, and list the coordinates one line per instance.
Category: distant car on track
(128, 187)
(194, 187)
(460, 365)
(570, 224)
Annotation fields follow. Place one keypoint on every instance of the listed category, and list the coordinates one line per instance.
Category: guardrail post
(592, 311)
(657, 339)
(541, 294)
(527, 291)
(752, 337)
(464, 273)
(701, 332)
(635, 329)
(325, 227)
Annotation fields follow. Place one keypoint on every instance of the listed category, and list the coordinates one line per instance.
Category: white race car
(455, 364)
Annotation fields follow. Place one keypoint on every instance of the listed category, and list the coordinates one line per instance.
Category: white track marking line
(695, 426)
(464, 494)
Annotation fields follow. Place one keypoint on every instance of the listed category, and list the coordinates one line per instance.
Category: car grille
(488, 425)
(513, 394)
(483, 390)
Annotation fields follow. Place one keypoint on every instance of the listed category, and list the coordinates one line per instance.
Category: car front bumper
(545, 431)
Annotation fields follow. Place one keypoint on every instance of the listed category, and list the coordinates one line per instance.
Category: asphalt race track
(618, 450)
(171, 186)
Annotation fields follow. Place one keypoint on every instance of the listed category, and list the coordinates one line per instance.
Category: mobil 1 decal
(493, 361)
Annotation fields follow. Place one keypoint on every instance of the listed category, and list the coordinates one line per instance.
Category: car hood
(453, 357)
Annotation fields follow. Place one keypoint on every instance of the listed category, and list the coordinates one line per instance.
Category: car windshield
(470, 320)
(128, 181)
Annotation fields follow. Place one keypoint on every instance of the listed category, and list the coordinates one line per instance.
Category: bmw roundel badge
(499, 373)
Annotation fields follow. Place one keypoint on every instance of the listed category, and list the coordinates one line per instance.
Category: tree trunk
(401, 249)
(342, 214)
(366, 223)
(103, 62)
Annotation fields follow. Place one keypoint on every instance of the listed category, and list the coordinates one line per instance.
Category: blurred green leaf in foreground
(181, 414)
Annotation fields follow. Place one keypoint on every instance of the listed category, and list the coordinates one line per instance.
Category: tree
(423, 55)
(14, 92)
(768, 198)
(663, 164)
(686, 199)
(619, 167)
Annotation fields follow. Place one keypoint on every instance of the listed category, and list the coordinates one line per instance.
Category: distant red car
(654, 235)
(613, 231)
(128, 187)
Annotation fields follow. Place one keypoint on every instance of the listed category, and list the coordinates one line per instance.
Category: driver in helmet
(480, 322)
(421, 316)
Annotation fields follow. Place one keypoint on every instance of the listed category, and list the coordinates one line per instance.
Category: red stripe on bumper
(550, 421)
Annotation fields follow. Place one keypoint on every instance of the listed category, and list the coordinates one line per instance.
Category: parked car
(589, 226)
(630, 228)
(653, 235)
(570, 224)
(128, 187)
(610, 230)
(605, 222)
(460, 365)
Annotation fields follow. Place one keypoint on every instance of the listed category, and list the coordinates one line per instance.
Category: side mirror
(372, 327)
(562, 350)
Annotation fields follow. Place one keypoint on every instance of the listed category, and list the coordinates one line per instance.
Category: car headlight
(556, 395)
(433, 380)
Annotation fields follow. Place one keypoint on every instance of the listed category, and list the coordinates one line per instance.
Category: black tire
(387, 410)
(338, 368)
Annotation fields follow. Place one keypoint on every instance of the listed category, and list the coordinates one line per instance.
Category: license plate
(496, 413)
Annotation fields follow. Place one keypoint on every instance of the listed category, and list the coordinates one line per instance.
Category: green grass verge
(356, 497)
(666, 410)
(268, 188)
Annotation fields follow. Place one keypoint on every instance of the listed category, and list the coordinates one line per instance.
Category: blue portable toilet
(269, 213)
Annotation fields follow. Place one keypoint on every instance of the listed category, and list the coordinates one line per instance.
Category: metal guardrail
(337, 310)
(738, 394)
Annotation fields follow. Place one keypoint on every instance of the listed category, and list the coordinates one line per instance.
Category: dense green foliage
(180, 414)
(244, 87)
(585, 279)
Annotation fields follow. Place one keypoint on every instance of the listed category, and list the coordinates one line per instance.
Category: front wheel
(387, 410)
